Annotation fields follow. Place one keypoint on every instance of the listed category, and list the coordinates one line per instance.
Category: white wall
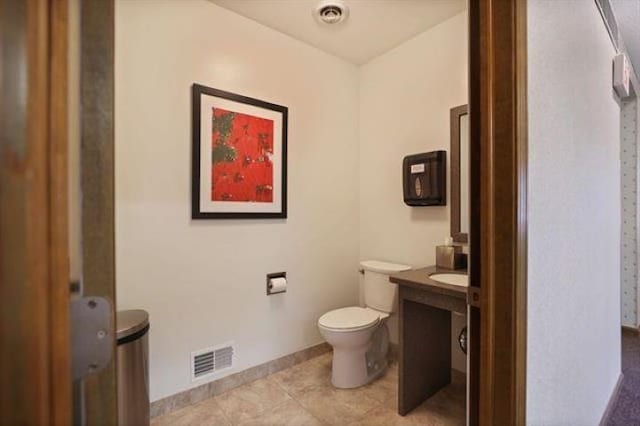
(574, 215)
(203, 282)
(405, 98)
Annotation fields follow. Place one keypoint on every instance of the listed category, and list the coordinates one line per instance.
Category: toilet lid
(353, 317)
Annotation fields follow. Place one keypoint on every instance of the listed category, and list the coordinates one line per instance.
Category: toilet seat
(352, 318)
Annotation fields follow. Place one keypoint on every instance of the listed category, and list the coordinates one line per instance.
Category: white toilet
(359, 336)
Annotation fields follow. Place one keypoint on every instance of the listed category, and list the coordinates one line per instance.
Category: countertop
(419, 279)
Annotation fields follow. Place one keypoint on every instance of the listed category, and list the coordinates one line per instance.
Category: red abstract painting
(241, 150)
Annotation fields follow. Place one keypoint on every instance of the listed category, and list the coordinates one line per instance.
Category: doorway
(502, 385)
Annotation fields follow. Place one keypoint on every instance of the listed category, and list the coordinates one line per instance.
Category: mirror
(460, 174)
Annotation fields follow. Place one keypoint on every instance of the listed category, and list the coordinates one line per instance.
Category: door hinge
(91, 335)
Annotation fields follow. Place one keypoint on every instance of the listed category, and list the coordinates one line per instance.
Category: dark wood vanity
(425, 333)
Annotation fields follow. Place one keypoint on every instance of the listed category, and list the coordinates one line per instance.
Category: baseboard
(216, 387)
(612, 401)
(631, 329)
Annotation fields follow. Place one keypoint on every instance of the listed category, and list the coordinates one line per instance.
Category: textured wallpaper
(574, 215)
(629, 249)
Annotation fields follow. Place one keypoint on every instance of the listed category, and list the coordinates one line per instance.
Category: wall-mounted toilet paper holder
(276, 283)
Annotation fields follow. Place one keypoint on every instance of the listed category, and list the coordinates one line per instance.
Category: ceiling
(372, 28)
(628, 16)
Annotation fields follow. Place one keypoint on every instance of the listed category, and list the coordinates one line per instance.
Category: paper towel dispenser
(425, 179)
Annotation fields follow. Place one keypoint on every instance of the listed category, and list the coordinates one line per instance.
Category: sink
(451, 279)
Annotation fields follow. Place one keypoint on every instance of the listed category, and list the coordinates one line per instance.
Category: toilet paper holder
(272, 276)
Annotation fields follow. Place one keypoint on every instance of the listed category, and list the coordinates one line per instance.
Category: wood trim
(97, 177)
(24, 270)
(630, 329)
(58, 202)
(474, 264)
(456, 215)
(612, 401)
(33, 244)
(498, 122)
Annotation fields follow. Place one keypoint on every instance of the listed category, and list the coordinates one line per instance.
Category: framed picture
(239, 157)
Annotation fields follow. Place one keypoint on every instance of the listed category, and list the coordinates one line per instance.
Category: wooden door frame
(498, 260)
(498, 247)
(33, 182)
(97, 174)
(34, 269)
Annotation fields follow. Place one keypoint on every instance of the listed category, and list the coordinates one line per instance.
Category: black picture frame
(197, 91)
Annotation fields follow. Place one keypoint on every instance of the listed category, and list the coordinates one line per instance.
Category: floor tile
(336, 406)
(384, 388)
(289, 413)
(205, 413)
(385, 416)
(437, 415)
(251, 400)
(325, 359)
(303, 396)
(447, 407)
(306, 375)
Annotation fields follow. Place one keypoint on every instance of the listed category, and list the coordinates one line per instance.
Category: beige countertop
(419, 279)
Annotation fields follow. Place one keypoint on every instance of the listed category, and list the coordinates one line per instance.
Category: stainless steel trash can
(133, 367)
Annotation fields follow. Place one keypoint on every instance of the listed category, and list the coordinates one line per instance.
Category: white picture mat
(207, 102)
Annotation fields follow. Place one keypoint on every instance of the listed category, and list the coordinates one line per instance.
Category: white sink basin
(452, 279)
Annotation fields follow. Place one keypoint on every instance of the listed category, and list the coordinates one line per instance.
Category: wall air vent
(206, 362)
(223, 358)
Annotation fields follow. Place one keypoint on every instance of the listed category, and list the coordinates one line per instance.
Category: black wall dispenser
(425, 179)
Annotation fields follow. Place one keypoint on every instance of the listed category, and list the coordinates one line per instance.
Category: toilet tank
(379, 293)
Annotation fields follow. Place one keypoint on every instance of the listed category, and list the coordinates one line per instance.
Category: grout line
(260, 413)
(184, 398)
(270, 378)
(293, 397)
(282, 387)
(310, 363)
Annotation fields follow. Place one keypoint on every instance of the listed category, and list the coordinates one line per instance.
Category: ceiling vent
(331, 11)
(206, 362)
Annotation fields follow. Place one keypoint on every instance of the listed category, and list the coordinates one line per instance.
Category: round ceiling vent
(331, 11)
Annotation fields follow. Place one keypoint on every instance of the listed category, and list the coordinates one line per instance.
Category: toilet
(359, 336)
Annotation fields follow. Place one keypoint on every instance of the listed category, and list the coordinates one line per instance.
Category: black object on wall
(425, 179)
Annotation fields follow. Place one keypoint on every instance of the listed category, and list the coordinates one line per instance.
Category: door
(34, 327)
(56, 122)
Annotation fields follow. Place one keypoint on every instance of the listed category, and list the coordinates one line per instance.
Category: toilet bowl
(359, 336)
(350, 332)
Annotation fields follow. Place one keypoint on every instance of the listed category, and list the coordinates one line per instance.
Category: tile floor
(302, 395)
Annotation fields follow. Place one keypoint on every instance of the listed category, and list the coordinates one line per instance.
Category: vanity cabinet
(425, 307)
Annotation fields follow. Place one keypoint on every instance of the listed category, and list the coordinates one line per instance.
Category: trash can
(133, 370)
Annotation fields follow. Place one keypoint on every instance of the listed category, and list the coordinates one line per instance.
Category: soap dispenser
(450, 256)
